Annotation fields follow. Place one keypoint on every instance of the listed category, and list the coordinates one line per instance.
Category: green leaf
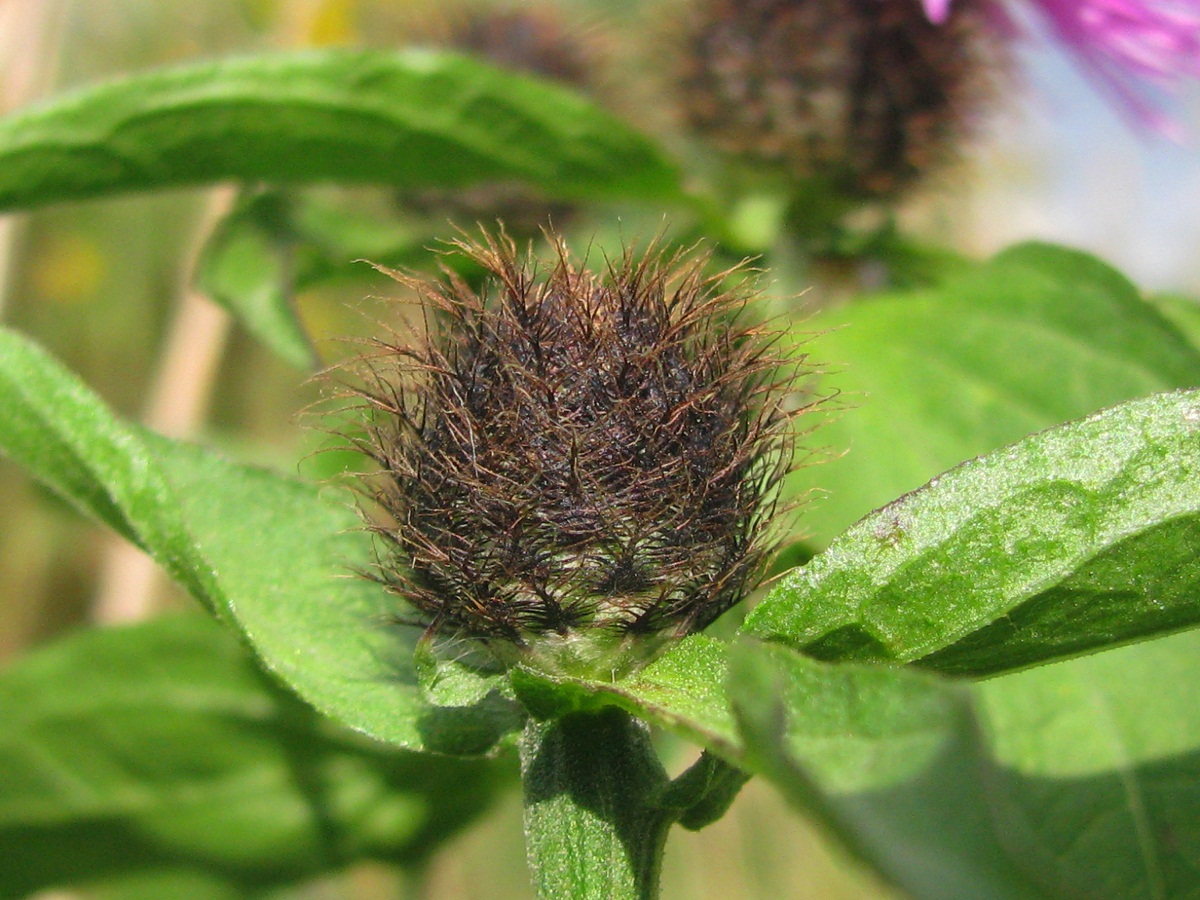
(891, 760)
(291, 556)
(286, 557)
(683, 690)
(469, 709)
(705, 791)
(276, 244)
(1099, 763)
(1035, 337)
(409, 119)
(275, 556)
(248, 266)
(176, 883)
(339, 235)
(1077, 538)
(53, 426)
(1070, 780)
(1181, 311)
(162, 746)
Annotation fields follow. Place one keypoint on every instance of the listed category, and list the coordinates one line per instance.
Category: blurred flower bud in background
(863, 97)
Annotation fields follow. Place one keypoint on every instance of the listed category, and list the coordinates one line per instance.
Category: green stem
(593, 828)
(704, 793)
(412, 882)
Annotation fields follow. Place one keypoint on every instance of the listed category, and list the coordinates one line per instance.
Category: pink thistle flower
(1136, 49)
(937, 10)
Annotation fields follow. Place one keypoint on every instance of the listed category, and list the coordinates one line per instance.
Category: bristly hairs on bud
(575, 468)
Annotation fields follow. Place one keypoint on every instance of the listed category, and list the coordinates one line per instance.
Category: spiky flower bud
(575, 467)
(864, 95)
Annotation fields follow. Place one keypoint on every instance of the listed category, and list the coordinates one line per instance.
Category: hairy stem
(593, 828)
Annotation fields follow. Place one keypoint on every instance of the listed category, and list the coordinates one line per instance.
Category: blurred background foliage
(108, 287)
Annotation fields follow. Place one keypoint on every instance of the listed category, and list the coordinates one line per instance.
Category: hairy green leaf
(1035, 337)
(408, 119)
(278, 558)
(286, 555)
(51, 424)
(162, 746)
(1077, 538)
(890, 760)
(683, 690)
(292, 558)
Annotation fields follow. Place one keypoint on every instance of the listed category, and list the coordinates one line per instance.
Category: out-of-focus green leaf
(161, 746)
(1098, 760)
(407, 119)
(1070, 780)
(891, 760)
(1037, 336)
(277, 557)
(1181, 311)
(1070, 540)
(248, 266)
(276, 244)
(172, 882)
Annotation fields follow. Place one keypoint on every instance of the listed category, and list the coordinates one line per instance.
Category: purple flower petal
(937, 11)
(1138, 50)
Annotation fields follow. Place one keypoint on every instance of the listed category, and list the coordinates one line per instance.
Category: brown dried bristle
(866, 95)
(576, 466)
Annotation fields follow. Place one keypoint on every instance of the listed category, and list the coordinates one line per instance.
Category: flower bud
(576, 467)
(530, 38)
(864, 96)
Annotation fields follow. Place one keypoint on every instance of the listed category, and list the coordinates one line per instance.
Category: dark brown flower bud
(863, 95)
(531, 38)
(576, 467)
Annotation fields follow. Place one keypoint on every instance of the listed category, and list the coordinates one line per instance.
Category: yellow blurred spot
(318, 313)
(333, 22)
(68, 269)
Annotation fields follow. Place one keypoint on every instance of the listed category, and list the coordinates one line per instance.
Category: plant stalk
(30, 47)
(593, 828)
